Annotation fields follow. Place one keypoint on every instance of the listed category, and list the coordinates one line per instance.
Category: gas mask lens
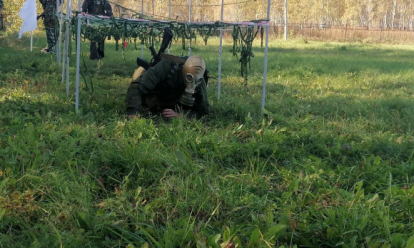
(199, 80)
(189, 78)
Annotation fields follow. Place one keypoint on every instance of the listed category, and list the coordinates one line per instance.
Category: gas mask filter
(193, 70)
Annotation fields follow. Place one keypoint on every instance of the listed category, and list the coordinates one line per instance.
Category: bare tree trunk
(327, 17)
(394, 11)
(369, 13)
(403, 22)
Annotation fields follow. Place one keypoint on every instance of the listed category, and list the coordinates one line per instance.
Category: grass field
(330, 164)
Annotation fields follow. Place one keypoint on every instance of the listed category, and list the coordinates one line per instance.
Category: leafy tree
(366, 13)
(11, 11)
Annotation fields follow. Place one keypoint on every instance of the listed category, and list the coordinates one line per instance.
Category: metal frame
(66, 56)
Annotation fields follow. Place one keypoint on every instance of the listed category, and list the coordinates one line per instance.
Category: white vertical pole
(220, 52)
(31, 41)
(57, 17)
(189, 20)
(189, 10)
(169, 18)
(169, 10)
(265, 59)
(286, 19)
(67, 46)
(142, 45)
(57, 45)
(68, 62)
(62, 6)
(64, 58)
(78, 46)
(66, 41)
(153, 10)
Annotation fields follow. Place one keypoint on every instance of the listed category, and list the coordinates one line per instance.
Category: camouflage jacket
(49, 12)
(1, 4)
(97, 7)
(49, 2)
(161, 87)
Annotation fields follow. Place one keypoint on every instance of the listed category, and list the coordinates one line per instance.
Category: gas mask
(193, 70)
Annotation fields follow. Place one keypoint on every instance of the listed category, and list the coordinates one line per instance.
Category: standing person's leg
(50, 25)
(101, 48)
(93, 51)
(51, 39)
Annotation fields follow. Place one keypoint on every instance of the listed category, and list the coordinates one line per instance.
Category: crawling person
(170, 88)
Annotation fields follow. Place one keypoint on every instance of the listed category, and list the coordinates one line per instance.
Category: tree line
(387, 14)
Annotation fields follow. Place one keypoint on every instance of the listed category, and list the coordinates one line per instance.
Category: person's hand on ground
(169, 113)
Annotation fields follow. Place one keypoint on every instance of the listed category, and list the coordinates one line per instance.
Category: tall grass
(329, 164)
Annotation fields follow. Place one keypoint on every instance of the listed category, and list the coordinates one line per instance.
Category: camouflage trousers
(50, 25)
(51, 39)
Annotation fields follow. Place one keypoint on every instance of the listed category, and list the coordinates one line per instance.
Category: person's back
(97, 7)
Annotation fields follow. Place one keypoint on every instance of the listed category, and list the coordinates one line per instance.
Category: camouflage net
(148, 32)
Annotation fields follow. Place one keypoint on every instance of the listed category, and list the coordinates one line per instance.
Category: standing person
(169, 88)
(97, 7)
(49, 20)
(1, 16)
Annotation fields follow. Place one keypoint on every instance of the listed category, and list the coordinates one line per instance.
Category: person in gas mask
(169, 88)
(97, 7)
